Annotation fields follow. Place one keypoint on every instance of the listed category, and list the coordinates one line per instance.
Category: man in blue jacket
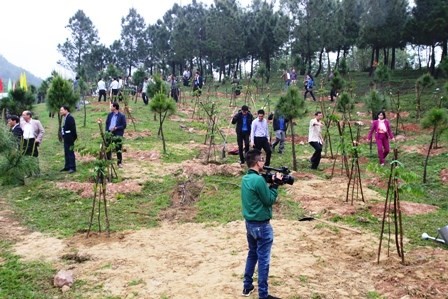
(257, 200)
(116, 124)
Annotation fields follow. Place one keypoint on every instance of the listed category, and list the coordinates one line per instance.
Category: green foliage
(139, 76)
(343, 67)
(155, 86)
(14, 166)
(436, 117)
(425, 81)
(382, 73)
(337, 83)
(17, 101)
(345, 104)
(60, 93)
(291, 105)
(162, 104)
(375, 102)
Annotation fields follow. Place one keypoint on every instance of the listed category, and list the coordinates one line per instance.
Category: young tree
(60, 93)
(163, 106)
(436, 119)
(425, 81)
(292, 106)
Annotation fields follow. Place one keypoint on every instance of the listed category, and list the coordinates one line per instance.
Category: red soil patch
(423, 149)
(133, 135)
(407, 208)
(85, 190)
(444, 175)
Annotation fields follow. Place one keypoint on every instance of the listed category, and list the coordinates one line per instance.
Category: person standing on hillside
(309, 84)
(33, 132)
(16, 130)
(259, 135)
(243, 120)
(315, 139)
(116, 124)
(144, 91)
(101, 90)
(383, 133)
(69, 135)
(257, 199)
(280, 125)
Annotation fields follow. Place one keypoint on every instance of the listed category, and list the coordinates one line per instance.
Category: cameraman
(257, 200)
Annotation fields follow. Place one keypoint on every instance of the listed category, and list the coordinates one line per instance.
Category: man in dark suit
(69, 135)
(116, 124)
(243, 120)
(16, 130)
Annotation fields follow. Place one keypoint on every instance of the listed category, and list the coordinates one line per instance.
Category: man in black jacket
(243, 120)
(115, 124)
(16, 130)
(69, 135)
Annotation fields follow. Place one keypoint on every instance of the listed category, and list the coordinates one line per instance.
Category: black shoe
(247, 292)
(63, 169)
(271, 297)
(71, 171)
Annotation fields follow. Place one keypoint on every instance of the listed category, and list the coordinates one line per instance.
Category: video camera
(271, 178)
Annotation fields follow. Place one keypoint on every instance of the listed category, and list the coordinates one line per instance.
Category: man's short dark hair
(317, 113)
(261, 111)
(252, 157)
(66, 108)
(115, 105)
(14, 118)
(244, 108)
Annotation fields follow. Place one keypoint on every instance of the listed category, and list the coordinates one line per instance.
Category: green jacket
(257, 198)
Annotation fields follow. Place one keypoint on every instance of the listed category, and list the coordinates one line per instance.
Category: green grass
(46, 208)
(24, 279)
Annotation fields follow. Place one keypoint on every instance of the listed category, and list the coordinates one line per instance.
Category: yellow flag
(23, 83)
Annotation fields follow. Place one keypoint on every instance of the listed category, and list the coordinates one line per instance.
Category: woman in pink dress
(383, 133)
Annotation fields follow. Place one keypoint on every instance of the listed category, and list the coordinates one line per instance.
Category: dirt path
(309, 259)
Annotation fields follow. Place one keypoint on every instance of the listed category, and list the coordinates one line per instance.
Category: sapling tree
(292, 106)
(423, 82)
(60, 93)
(436, 119)
(164, 106)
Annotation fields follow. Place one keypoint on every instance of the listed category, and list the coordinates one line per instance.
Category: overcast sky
(32, 29)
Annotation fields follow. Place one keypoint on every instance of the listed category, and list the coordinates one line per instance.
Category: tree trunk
(293, 145)
(251, 66)
(328, 65)
(386, 56)
(444, 49)
(419, 58)
(320, 63)
(393, 58)
(336, 65)
(433, 60)
(377, 55)
(236, 68)
(429, 151)
(372, 60)
(268, 68)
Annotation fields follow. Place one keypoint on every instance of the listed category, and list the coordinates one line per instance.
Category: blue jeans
(260, 237)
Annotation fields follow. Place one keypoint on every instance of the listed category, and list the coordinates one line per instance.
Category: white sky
(32, 29)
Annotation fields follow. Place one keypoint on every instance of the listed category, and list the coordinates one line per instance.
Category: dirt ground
(310, 259)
